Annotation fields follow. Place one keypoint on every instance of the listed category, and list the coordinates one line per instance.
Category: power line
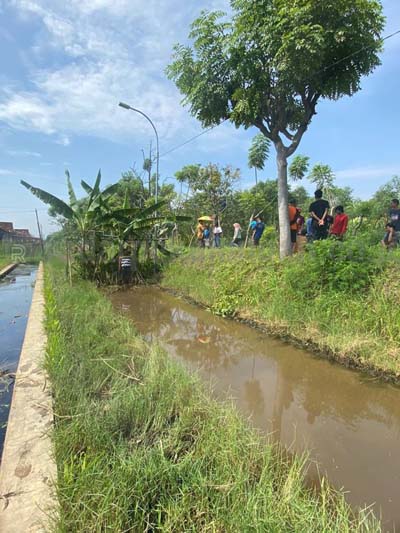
(397, 32)
(193, 138)
(357, 52)
(18, 210)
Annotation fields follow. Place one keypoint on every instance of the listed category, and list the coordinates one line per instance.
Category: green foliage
(107, 223)
(270, 64)
(269, 61)
(347, 267)
(258, 152)
(322, 176)
(299, 167)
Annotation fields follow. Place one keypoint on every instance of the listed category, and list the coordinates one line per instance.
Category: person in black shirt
(394, 214)
(319, 213)
(394, 219)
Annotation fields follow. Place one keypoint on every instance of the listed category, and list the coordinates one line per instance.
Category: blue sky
(64, 66)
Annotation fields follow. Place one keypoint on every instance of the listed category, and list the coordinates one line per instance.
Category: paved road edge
(28, 471)
(6, 270)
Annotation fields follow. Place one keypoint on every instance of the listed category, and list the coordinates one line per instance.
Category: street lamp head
(125, 106)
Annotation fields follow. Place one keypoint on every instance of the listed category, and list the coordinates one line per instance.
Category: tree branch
(287, 134)
(309, 105)
(263, 128)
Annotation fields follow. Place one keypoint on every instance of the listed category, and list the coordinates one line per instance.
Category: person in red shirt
(339, 226)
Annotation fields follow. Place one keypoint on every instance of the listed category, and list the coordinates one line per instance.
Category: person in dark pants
(394, 218)
(340, 223)
(125, 269)
(319, 212)
(390, 239)
(258, 231)
(237, 235)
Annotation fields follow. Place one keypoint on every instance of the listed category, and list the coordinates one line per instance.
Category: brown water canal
(349, 424)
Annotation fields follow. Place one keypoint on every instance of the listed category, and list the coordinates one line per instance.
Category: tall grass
(140, 446)
(339, 297)
(19, 253)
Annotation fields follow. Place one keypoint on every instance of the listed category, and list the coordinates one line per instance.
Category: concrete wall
(28, 471)
(6, 270)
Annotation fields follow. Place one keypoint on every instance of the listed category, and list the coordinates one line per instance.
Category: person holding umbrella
(201, 228)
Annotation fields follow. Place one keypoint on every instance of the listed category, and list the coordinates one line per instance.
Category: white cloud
(28, 112)
(6, 172)
(112, 50)
(368, 173)
(63, 140)
(23, 153)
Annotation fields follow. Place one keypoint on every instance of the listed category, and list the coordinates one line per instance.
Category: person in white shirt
(217, 231)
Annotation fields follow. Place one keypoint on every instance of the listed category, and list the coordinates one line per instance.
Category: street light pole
(130, 108)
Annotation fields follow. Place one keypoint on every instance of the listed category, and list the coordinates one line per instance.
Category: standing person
(319, 212)
(309, 230)
(340, 223)
(394, 217)
(237, 234)
(300, 222)
(217, 231)
(258, 231)
(390, 240)
(293, 216)
(206, 236)
(200, 235)
(125, 268)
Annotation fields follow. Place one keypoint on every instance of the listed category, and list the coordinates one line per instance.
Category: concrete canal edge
(6, 270)
(28, 471)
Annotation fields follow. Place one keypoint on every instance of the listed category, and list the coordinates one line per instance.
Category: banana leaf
(60, 207)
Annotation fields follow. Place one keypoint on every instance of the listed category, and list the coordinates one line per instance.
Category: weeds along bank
(141, 447)
(340, 297)
(19, 253)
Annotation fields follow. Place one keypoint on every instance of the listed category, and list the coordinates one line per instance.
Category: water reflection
(351, 426)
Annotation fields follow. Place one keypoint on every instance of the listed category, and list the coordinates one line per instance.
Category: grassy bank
(340, 298)
(140, 446)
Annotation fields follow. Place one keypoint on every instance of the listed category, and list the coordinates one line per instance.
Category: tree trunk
(285, 246)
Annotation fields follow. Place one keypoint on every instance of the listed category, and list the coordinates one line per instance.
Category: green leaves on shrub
(331, 265)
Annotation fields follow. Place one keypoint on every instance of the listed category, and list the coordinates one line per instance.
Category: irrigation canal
(16, 291)
(349, 424)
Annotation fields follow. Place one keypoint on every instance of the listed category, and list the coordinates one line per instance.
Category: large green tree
(270, 64)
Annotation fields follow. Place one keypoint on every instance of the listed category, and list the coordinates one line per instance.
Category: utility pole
(40, 232)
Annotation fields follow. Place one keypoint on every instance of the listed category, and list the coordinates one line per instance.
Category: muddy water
(16, 291)
(350, 425)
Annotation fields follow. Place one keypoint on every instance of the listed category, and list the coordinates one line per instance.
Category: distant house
(17, 235)
(6, 231)
(7, 226)
(3, 234)
(23, 234)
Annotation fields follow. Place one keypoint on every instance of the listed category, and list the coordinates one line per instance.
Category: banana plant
(94, 214)
(85, 215)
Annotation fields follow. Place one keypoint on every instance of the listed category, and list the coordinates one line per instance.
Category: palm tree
(258, 153)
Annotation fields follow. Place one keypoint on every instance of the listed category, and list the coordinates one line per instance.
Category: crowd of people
(320, 224)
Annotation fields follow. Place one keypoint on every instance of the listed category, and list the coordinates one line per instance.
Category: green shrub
(332, 265)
